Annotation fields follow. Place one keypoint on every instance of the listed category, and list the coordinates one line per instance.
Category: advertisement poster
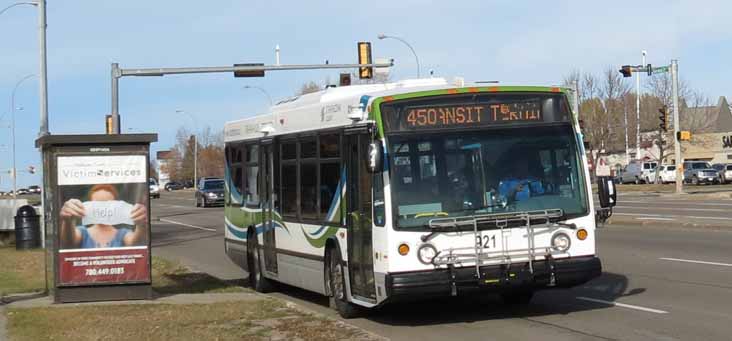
(103, 219)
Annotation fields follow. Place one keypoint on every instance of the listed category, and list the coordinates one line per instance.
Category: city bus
(380, 193)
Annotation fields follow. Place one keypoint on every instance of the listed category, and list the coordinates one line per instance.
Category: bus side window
(237, 173)
(288, 176)
(379, 207)
(251, 198)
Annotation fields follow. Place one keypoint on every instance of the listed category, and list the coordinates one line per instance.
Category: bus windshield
(456, 174)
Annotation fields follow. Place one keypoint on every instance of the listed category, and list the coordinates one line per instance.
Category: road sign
(661, 69)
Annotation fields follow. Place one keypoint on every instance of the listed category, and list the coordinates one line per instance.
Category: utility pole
(42, 75)
(677, 144)
(625, 118)
(575, 103)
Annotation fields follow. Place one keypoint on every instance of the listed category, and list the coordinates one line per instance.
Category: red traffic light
(626, 70)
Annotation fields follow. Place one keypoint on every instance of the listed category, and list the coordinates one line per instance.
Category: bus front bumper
(561, 273)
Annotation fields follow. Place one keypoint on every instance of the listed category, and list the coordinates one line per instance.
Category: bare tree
(700, 114)
(308, 87)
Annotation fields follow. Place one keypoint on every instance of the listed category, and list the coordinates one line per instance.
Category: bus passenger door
(268, 220)
(360, 248)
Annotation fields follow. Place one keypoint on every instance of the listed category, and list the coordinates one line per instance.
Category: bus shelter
(97, 217)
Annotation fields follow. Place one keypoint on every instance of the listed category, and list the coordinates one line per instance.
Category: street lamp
(43, 91)
(17, 4)
(382, 36)
(12, 129)
(260, 89)
(195, 148)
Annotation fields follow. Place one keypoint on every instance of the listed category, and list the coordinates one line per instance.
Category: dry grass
(21, 271)
(265, 319)
(172, 278)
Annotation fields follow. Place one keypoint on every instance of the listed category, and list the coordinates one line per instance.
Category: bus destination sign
(471, 115)
(489, 110)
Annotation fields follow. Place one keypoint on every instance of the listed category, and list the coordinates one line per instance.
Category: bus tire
(337, 286)
(521, 297)
(256, 280)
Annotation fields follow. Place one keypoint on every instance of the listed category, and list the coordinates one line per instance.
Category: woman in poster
(100, 235)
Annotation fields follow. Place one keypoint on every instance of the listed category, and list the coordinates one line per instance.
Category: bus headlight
(426, 253)
(561, 242)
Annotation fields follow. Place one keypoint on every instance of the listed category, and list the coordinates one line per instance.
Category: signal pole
(677, 144)
(637, 109)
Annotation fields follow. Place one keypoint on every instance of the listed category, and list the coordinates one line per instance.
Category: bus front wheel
(337, 285)
(256, 280)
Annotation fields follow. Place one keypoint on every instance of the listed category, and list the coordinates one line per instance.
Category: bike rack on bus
(502, 222)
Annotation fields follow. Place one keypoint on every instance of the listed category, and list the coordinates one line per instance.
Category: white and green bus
(378, 193)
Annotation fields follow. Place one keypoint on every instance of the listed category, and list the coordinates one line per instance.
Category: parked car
(173, 186)
(699, 172)
(725, 172)
(23, 191)
(34, 189)
(188, 184)
(636, 171)
(210, 192)
(154, 189)
(667, 174)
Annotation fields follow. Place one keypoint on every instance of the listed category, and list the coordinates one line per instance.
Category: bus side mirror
(606, 191)
(375, 162)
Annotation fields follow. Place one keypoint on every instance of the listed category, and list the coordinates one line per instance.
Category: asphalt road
(659, 282)
(700, 208)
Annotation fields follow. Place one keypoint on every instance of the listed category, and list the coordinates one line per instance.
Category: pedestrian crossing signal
(683, 136)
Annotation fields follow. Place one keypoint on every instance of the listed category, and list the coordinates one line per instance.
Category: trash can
(27, 228)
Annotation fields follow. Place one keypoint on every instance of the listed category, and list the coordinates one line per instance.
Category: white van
(637, 171)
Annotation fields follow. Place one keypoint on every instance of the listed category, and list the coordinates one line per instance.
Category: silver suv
(699, 172)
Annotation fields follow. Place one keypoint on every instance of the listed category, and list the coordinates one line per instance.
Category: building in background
(164, 160)
(712, 139)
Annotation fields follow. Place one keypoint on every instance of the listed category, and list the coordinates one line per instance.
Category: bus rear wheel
(337, 285)
(256, 281)
(521, 297)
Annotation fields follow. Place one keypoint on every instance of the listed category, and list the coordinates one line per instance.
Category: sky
(514, 42)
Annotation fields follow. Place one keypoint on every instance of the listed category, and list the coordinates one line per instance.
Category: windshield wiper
(568, 225)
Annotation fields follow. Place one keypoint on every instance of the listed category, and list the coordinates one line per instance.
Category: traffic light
(364, 57)
(108, 124)
(32, 169)
(626, 70)
(663, 117)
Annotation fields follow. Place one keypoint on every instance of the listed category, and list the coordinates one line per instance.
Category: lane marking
(623, 305)
(170, 205)
(187, 225)
(669, 216)
(655, 218)
(675, 209)
(678, 203)
(695, 261)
